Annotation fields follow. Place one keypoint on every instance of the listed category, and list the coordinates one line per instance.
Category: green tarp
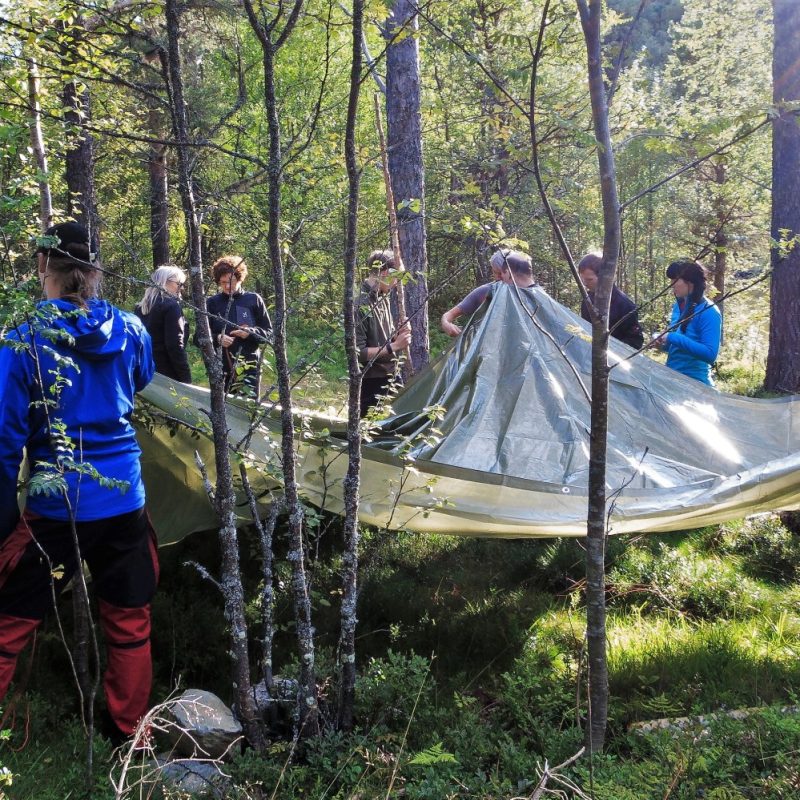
(493, 440)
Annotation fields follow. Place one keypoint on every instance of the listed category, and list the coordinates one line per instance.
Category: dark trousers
(242, 375)
(373, 389)
(121, 554)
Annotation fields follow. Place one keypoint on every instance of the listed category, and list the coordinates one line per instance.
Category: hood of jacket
(96, 332)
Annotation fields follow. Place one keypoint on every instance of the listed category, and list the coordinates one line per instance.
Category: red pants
(121, 555)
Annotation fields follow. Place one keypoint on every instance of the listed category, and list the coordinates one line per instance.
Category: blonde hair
(159, 278)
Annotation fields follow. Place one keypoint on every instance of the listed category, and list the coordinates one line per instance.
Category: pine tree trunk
(783, 361)
(349, 619)
(720, 239)
(224, 497)
(403, 92)
(79, 160)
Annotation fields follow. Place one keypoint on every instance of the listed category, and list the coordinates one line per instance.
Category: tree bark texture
(596, 520)
(270, 44)
(224, 496)
(159, 181)
(349, 619)
(79, 160)
(720, 239)
(403, 92)
(37, 145)
(783, 361)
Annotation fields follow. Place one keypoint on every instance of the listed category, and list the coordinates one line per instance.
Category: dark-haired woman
(67, 382)
(692, 343)
(161, 313)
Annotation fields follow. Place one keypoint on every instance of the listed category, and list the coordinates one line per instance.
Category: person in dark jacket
(239, 323)
(160, 311)
(623, 317)
(379, 344)
(67, 382)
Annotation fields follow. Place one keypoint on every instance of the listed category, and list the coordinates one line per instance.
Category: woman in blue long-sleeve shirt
(692, 343)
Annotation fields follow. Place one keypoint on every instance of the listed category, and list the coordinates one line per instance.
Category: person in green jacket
(379, 343)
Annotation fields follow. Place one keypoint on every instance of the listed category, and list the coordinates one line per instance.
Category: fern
(433, 755)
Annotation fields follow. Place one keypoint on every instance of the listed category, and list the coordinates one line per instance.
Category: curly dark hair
(229, 265)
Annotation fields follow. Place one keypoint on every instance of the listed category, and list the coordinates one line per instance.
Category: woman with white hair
(161, 313)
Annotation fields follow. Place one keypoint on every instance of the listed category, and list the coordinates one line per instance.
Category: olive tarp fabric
(493, 440)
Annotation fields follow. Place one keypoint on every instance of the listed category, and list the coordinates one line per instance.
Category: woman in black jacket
(239, 323)
(160, 311)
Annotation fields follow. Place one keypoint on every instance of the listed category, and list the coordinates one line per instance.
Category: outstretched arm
(448, 322)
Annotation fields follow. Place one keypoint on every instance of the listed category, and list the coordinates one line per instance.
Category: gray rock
(278, 710)
(206, 727)
(197, 778)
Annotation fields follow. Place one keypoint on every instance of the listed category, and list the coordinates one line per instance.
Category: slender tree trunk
(403, 92)
(224, 497)
(37, 145)
(270, 44)
(596, 522)
(783, 361)
(720, 237)
(81, 204)
(159, 182)
(347, 640)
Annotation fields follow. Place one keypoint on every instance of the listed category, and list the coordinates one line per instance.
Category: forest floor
(472, 669)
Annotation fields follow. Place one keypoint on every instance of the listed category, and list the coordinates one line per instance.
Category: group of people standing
(240, 322)
(691, 341)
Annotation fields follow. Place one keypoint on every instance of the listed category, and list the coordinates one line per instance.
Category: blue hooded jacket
(692, 353)
(91, 363)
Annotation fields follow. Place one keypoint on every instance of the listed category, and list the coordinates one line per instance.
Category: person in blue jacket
(239, 323)
(67, 382)
(692, 342)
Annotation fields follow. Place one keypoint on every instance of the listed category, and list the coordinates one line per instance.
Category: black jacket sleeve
(263, 326)
(624, 319)
(175, 342)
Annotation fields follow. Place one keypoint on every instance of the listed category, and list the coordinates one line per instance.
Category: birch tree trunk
(347, 640)
(783, 361)
(271, 41)
(37, 145)
(403, 92)
(590, 13)
(224, 497)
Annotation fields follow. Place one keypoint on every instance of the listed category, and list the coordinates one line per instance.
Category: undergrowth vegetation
(473, 670)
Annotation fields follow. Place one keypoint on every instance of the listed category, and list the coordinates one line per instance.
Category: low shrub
(767, 549)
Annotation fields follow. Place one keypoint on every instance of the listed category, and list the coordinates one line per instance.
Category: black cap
(67, 233)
